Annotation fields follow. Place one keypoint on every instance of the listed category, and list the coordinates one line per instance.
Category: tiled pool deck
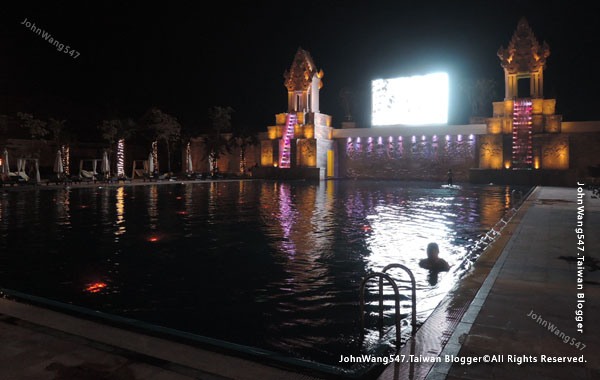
(37, 343)
(525, 274)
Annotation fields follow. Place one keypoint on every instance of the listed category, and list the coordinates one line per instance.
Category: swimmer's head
(433, 251)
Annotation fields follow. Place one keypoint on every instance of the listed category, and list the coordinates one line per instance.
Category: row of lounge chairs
(16, 179)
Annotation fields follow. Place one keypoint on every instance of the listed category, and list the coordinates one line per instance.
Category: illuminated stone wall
(543, 119)
(323, 146)
(312, 140)
(310, 125)
(551, 151)
(266, 153)
(306, 152)
(405, 157)
(490, 152)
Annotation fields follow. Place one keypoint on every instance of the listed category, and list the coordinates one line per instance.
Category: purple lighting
(284, 156)
(522, 149)
(434, 138)
(423, 137)
(358, 140)
(471, 137)
(447, 137)
(414, 139)
(390, 139)
(459, 138)
(379, 140)
(349, 139)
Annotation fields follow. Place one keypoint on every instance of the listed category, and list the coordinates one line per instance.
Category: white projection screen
(416, 100)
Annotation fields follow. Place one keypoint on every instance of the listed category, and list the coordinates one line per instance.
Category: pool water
(266, 264)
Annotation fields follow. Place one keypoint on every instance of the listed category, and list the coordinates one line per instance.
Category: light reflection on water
(268, 264)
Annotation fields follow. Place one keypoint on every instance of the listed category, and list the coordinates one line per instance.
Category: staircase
(522, 154)
(284, 155)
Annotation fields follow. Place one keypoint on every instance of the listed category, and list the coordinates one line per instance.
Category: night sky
(184, 57)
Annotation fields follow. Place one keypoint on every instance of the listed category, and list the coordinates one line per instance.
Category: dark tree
(215, 144)
(480, 93)
(36, 128)
(243, 138)
(165, 128)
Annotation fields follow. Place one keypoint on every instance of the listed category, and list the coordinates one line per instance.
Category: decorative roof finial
(523, 54)
(302, 71)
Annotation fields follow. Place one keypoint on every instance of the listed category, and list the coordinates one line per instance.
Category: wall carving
(408, 159)
(490, 152)
(266, 153)
(555, 152)
(306, 152)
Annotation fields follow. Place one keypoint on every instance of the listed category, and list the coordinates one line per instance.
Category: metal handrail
(414, 293)
(362, 304)
(382, 275)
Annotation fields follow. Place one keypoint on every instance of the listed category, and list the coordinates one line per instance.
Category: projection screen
(416, 100)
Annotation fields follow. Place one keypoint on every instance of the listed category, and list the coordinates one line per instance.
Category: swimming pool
(275, 265)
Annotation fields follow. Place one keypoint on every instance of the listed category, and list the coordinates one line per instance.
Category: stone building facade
(523, 142)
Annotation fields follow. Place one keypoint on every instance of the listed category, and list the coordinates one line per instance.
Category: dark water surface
(265, 264)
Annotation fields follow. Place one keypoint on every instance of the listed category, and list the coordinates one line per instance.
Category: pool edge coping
(152, 341)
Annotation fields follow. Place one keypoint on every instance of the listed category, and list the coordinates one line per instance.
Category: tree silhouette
(347, 100)
(165, 127)
(37, 128)
(480, 93)
(244, 138)
(215, 144)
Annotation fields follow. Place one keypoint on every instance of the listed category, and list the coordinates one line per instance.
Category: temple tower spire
(523, 59)
(303, 82)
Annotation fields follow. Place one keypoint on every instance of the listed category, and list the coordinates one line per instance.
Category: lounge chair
(87, 176)
(143, 175)
(22, 178)
(192, 176)
(11, 179)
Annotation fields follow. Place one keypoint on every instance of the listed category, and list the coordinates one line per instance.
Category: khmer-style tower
(524, 132)
(303, 83)
(301, 137)
(524, 60)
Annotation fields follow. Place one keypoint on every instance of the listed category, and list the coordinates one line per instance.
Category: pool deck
(37, 343)
(533, 277)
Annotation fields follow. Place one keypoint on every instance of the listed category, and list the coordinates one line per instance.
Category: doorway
(330, 164)
(524, 87)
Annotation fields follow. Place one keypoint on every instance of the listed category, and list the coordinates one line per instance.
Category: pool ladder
(383, 275)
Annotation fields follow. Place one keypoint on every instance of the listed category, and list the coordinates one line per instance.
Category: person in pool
(433, 262)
